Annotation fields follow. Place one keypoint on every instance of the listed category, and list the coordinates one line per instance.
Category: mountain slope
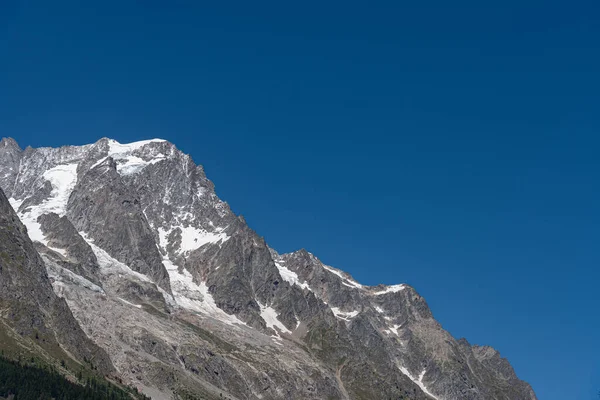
(31, 313)
(186, 298)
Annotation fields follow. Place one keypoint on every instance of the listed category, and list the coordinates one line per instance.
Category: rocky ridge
(184, 297)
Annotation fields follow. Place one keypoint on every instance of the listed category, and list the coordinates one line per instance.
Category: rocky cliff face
(187, 299)
(29, 308)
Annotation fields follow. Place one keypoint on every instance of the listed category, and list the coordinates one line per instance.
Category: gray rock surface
(187, 299)
(29, 307)
(61, 234)
(103, 207)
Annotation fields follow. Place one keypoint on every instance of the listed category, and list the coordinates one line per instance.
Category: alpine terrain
(122, 256)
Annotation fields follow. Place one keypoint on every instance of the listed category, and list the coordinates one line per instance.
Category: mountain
(29, 308)
(189, 302)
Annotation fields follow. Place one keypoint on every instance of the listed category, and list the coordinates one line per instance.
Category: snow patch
(419, 382)
(15, 204)
(269, 315)
(290, 276)
(394, 329)
(128, 164)
(128, 303)
(63, 179)
(390, 289)
(133, 164)
(345, 281)
(191, 238)
(98, 162)
(115, 147)
(62, 252)
(352, 284)
(345, 315)
(195, 297)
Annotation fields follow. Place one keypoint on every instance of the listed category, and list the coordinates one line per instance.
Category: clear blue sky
(453, 146)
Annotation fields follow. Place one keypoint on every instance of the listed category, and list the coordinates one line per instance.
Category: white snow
(115, 147)
(63, 179)
(128, 164)
(345, 315)
(29, 219)
(352, 284)
(191, 238)
(15, 204)
(128, 303)
(62, 252)
(135, 164)
(334, 271)
(195, 297)
(394, 329)
(290, 276)
(419, 382)
(345, 281)
(100, 161)
(269, 314)
(390, 289)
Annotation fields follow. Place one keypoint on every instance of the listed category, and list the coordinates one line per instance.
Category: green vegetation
(26, 381)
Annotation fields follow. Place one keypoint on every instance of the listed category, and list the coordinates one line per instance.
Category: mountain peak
(149, 259)
(8, 142)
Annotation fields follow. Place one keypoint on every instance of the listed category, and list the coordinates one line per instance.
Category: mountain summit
(189, 302)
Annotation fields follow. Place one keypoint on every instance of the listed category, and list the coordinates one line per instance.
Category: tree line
(21, 381)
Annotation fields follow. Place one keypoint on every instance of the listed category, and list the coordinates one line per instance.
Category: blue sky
(449, 145)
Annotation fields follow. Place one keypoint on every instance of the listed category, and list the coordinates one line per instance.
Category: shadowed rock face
(103, 207)
(10, 157)
(29, 305)
(186, 298)
(61, 234)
